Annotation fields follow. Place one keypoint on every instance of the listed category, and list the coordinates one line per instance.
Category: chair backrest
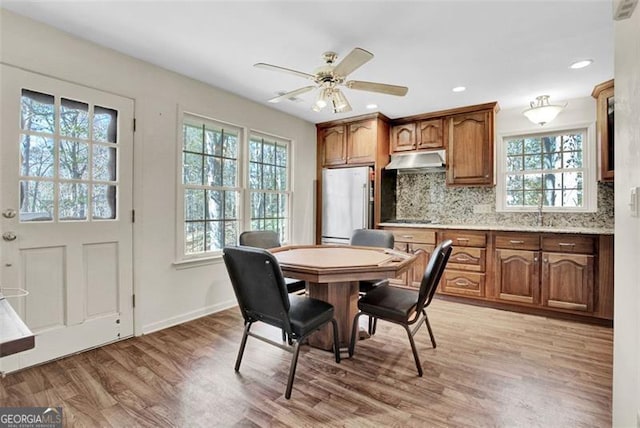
(260, 239)
(259, 285)
(433, 273)
(372, 238)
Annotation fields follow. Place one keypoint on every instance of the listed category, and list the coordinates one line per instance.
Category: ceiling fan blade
(377, 87)
(291, 94)
(351, 62)
(286, 70)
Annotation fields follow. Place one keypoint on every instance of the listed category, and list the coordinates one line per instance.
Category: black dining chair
(372, 238)
(269, 239)
(404, 306)
(262, 296)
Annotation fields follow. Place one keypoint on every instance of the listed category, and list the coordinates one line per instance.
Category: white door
(65, 213)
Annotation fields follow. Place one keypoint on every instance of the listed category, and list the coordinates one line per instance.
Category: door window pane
(74, 119)
(74, 160)
(105, 125)
(104, 202)
(104, 163)
(36, 156)
(36, 200)
(37, 112)
(72, 201)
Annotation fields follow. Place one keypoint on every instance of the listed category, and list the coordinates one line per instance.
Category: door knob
(9, 236)
(9, 213)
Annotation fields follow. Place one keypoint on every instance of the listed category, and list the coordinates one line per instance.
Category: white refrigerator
(347, 203)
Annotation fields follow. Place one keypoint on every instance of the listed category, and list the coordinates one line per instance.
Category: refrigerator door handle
(365, 211)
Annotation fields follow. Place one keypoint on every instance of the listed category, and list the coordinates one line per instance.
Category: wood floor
(491, 368)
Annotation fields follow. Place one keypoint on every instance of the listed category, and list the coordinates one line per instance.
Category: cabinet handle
(546, 260)
(513, 241)
(463, 258)
(462, 282)
(463, 239)
(408, 236)
(566, 244)
(535, 259)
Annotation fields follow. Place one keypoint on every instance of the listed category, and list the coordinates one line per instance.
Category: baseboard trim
(189, 316)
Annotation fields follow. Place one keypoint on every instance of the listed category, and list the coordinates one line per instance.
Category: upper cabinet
(418, 135)
(348, 143)
(334, 144)
(470, 148)
(603, 93)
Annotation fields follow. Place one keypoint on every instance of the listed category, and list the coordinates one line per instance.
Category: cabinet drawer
(518, 241)
(413, 235)
(465, 239)
(467, 258)
(568, 244)
(462, 283)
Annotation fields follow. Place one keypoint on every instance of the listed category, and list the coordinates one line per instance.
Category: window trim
(181, 256)
(185, 261)
(590, 195)
(289, 192)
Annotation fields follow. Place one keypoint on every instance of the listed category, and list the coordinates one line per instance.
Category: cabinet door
(470, 149)
(403, 278)
(334, 145)
(403, 137)
(430, 135)
(419, 266)
(567, 281)
(361, 142)
(517, 276)
(604, 95)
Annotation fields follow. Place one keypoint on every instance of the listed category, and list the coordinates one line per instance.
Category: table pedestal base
(344, 297)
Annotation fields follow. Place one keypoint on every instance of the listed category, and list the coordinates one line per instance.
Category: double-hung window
(269, 192)
(549, 171)
(232, 179)
(210, 184)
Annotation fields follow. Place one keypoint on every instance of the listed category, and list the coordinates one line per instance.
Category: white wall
(164, 295)
(626, 343)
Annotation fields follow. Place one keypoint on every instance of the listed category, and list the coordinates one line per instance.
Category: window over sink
(551, 171)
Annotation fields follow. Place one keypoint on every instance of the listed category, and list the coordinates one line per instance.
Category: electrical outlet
(482, 208)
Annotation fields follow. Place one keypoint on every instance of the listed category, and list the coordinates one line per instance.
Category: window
(269, 184)
(211, 190)
(232, 180)
(68, 159)
(548, 171)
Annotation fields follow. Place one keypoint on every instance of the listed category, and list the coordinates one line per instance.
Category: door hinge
(133, 300)
(134, 124)
(133, 216)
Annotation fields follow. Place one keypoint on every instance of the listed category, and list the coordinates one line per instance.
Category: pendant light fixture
(541, 111)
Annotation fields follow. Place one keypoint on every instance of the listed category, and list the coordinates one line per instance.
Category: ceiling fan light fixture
(541, 112)
(324, 96)
(339, 100)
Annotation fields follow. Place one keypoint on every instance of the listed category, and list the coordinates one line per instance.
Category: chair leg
(243, 343)
(336, 344)
(292, 370)
(375, 325)
(354, 334)
(433, 339)
(415, 351)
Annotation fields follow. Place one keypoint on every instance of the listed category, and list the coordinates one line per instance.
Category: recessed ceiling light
(581, 64)
(459, 89)
(372, 106)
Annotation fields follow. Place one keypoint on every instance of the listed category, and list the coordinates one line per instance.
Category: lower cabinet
(413, 241)
(567, 281)
(465, 273)
(517, 274)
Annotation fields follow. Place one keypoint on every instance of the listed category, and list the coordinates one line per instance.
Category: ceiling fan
(329, 77)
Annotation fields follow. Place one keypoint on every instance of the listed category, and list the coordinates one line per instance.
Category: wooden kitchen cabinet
(517, 267)
(430, 134)
(604, 95)
(361, 142)
(470, 148)
(403, 137)
(411, 241)
(465, 273)
(334, 145)
(419, 135)
(568, 272)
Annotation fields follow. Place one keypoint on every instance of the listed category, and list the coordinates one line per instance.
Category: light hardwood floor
(491, 368)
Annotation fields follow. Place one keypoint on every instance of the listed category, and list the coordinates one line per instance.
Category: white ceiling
(508, 51)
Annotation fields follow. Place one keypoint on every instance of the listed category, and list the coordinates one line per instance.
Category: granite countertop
(507, 228)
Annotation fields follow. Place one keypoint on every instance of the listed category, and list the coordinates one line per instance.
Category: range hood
(432, 161)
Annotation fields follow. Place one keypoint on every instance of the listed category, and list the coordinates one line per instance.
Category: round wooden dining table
(332, 273)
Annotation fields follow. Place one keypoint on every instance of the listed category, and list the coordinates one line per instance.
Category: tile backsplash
(425, 196)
